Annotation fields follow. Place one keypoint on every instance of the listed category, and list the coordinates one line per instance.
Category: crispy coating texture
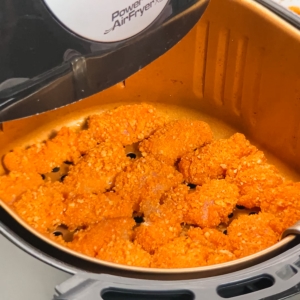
(16, 183)
(198, 248)
(284, 202)
(125, 253)
(126, 124)
(145, 180)
(43, 208)
(85, 209)
(182, 252)
(216, 241)
(176, 139)
(152, 234)
(103, 189)
(162, 221)
(67, 145)
(96, 171)
(253, 176)
(210, 237)
(53, 204)
(251, 234)
(91, 240)
(211, 203)
(213, 160)
(173, 203)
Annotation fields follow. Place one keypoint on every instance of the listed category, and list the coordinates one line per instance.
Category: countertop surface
(23, 277)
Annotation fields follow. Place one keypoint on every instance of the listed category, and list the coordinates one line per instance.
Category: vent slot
(244, 287)
(122, 294)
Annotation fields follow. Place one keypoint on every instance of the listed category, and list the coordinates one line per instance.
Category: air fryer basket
(238, 69)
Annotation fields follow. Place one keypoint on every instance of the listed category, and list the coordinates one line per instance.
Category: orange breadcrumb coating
(127, 124)
(16, 183)
(213, 160)
(219, 244)
(198, 248)
(284, 202)
(86, 209)
(91, 240)
(253, 176)
(96, 171)
(162, 221)
(173, 203)
(41, 158)
(227, 172)
(146, 179)
(211, 203)
(176, 139)
(43, 208)
(182, 252)
(210, 237)
(126, 253)
(251, 234)
(152, 234)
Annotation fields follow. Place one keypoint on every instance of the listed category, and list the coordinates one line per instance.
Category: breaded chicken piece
(173, 203)
(253, 176)
(213, 160)
(216, 241)
(162, 221)
(145, 180)
(96, 171)
(67, 145)
(284, 202)
(175, 139)
(182, 252)
(210, 237)
(125, 252)
(251, 234)
(85, 209)
(43, 208)
(187, 252)
(91, 240)
(126, 124)
(211, 203)
(15, 183)
(168, 206)
(157, 230)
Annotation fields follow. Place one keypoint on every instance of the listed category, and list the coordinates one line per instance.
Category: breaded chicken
(210, 237)
(153, 234)
(86, 209)
(67, 145)
(126, 124)
(173, 203)
(43, 208)
(124, 252)
(145, 180)
(91, 240)
(182, 252)
(16, 183)
(216, 241)
(96, 171)
(211, 203)
(162, 221)
(253, 233)
(253, 176)
(176, 139)
(284, 202)
(213, 160)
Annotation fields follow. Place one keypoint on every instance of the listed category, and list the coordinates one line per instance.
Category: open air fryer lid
(57, 52)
